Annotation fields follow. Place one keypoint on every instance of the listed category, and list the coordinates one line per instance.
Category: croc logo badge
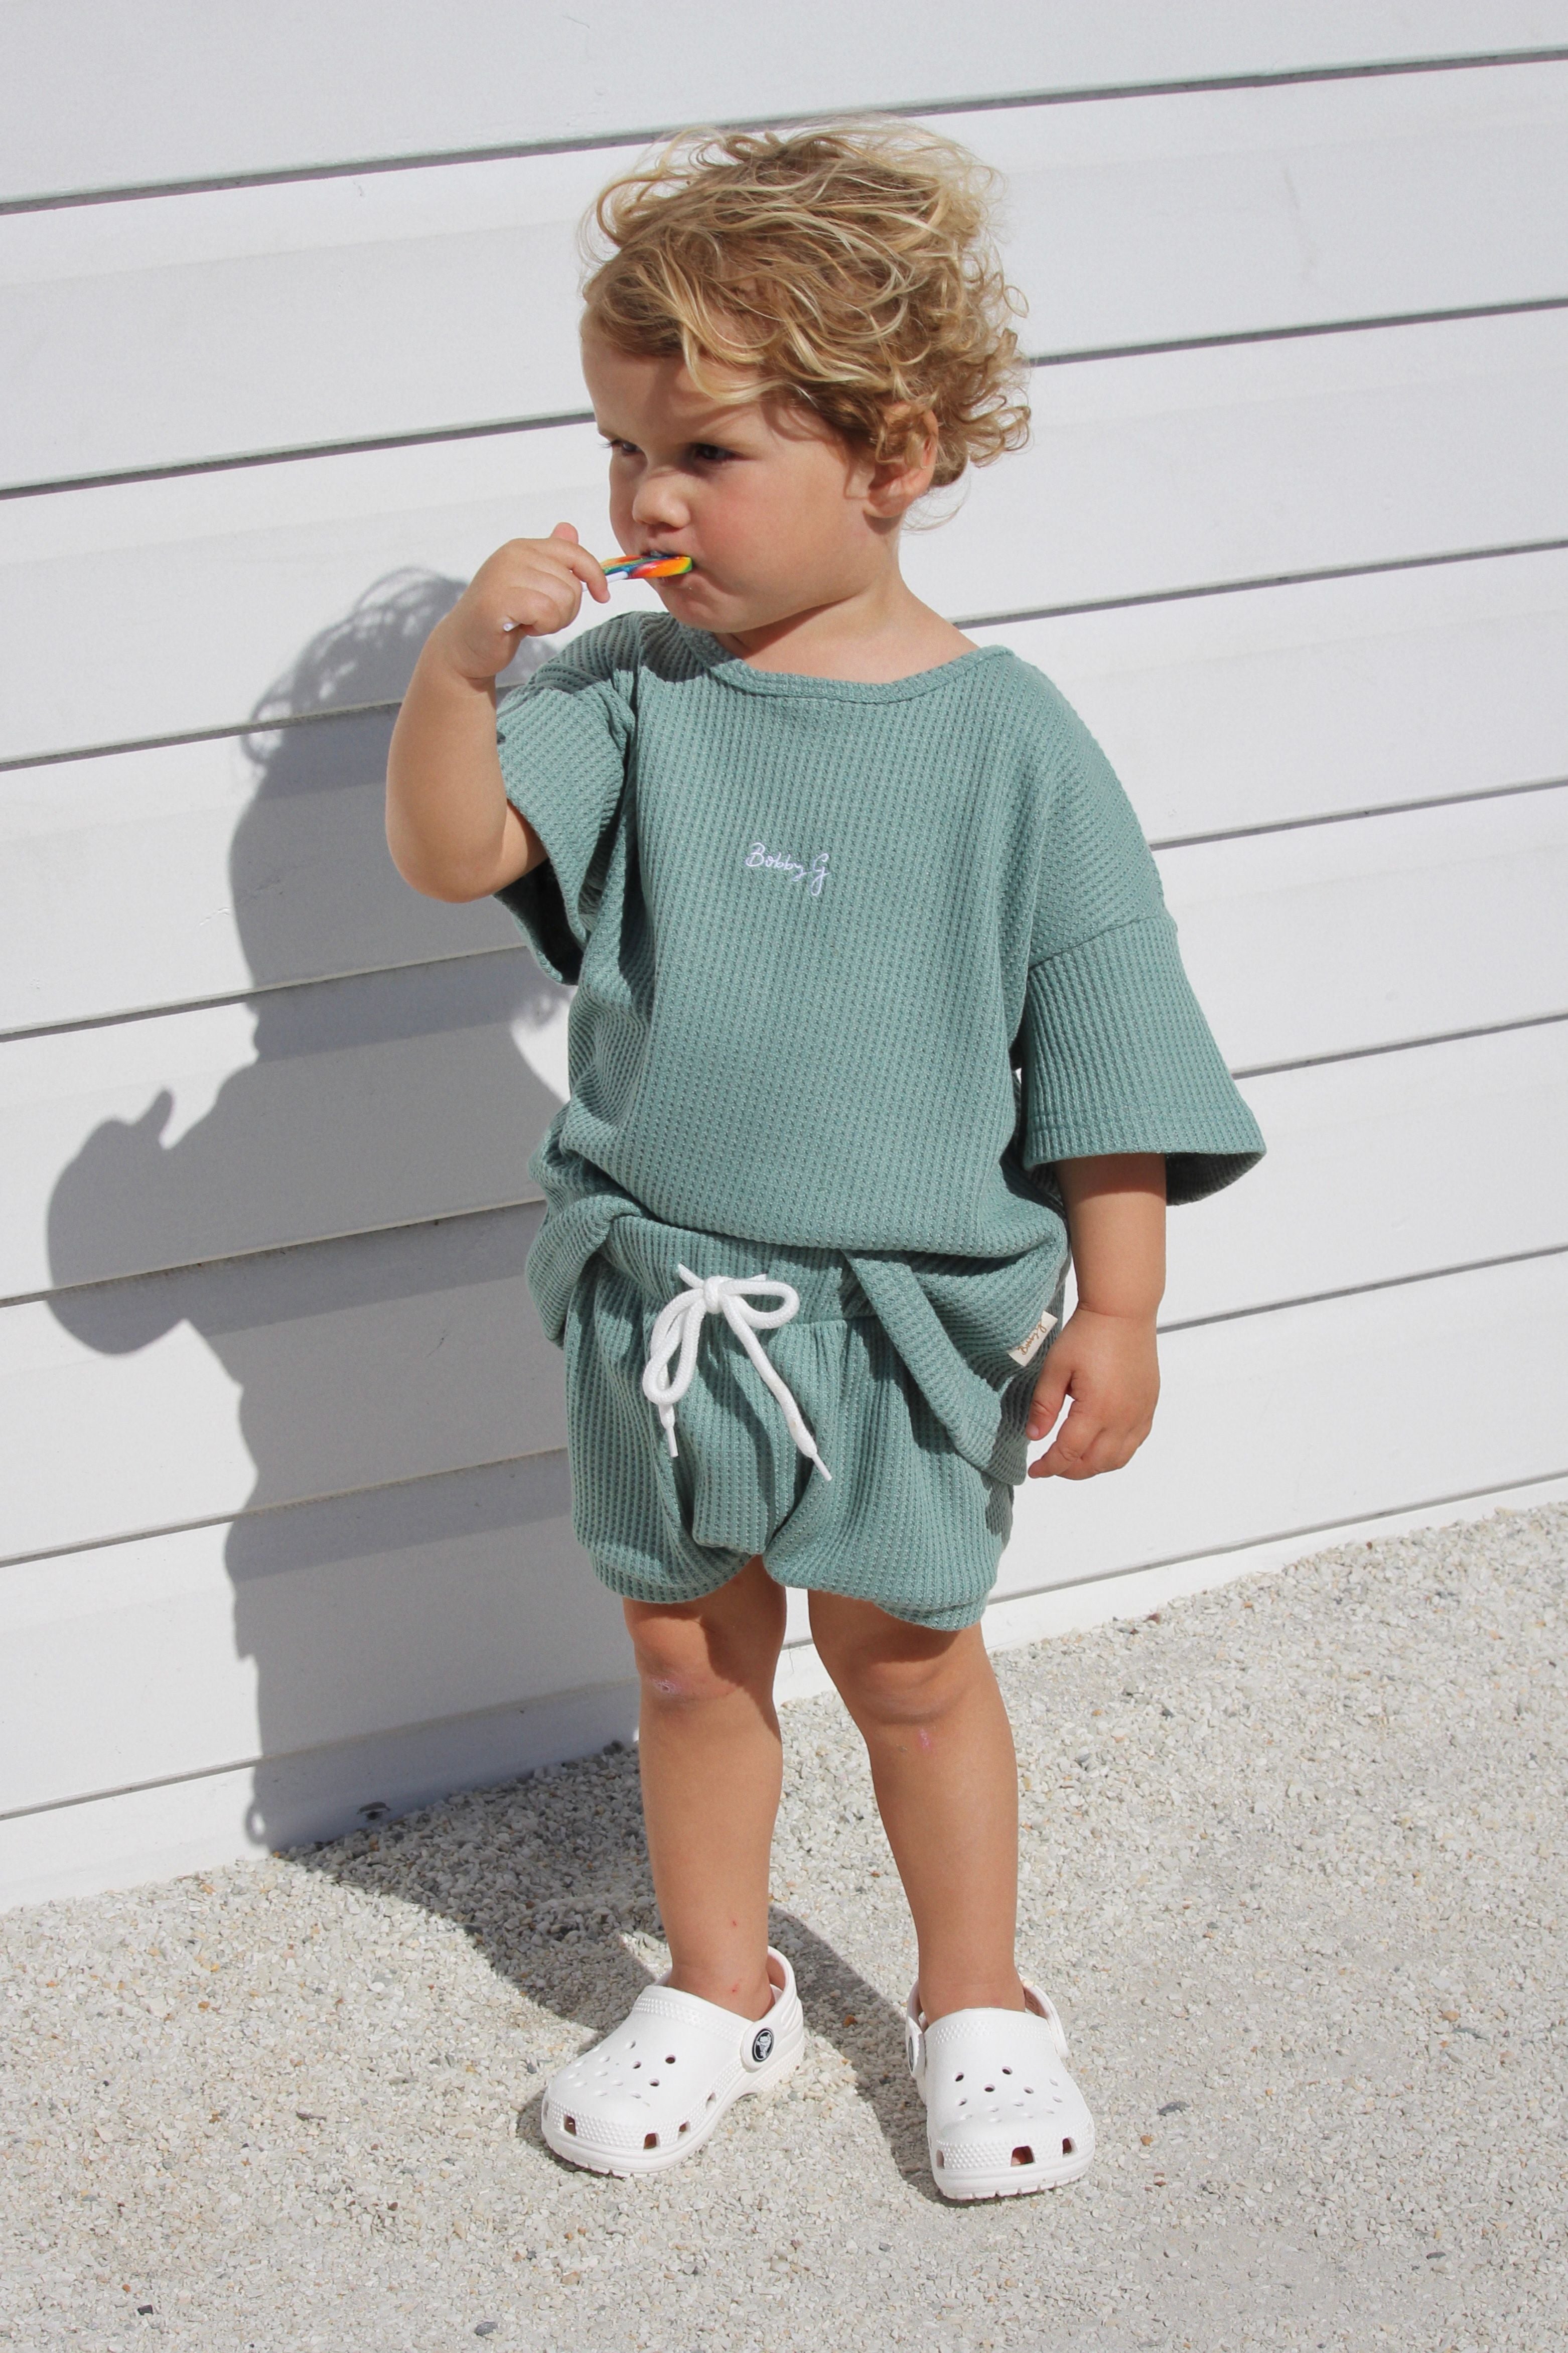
(761, 2043)
(1027, 1347)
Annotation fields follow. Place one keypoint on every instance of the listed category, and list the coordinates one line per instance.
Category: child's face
(778, 515)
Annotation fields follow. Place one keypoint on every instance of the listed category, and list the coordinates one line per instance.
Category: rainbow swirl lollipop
(650, 566)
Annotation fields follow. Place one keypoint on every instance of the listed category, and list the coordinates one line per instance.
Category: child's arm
(1105, 1358)
(450, 827)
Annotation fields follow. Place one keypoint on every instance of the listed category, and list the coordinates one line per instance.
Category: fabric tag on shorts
(1025, 1348)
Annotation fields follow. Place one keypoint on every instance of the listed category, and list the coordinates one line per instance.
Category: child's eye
(710, 451)
(616, 449)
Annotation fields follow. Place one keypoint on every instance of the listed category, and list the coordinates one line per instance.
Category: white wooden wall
(288, 332)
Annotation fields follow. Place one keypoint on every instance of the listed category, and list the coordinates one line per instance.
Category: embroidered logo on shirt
(1025, 1348)
(782, 862)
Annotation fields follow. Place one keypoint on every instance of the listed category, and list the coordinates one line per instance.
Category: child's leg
(711, 1773)
(945, 1775)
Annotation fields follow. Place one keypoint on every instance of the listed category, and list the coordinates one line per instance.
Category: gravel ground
(1293, 1870)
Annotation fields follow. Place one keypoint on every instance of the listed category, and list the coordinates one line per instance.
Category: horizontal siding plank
(339, 1620)
(1146, 475)
(1342, 937)
(302, 1114)
(1318, 1415)
(197, 870)
(370, 1103)
(306, 1373)
(162, 1832)
(146, 878)
(1371, 1175)
(277, 317)
(329, 1623)
(1273, 706)
(188, 95)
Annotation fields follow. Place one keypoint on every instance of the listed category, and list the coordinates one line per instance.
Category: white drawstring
(679, 1326)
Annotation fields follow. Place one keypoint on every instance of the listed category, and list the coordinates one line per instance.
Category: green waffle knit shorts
(905, 1522)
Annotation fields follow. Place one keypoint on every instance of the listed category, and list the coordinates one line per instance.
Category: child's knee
(909, 1678)
(675, 1660)
(689, 1656)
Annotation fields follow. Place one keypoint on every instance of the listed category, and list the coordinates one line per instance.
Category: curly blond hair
(846, 267)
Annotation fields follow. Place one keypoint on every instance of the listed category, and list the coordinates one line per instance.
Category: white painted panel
(1380, 929)
(395, 1102)
(1247, 710)
(150, 878)
(334, 1623)
(287, 1630)
(299, 1114)
(271, 1380)
(1275, 1423)
(161, 1833)
(1217, 212)
(204, 869)
(1146, 474)
(174, 90)
(1390, 1166)
(157, 332)
(328, 574)
(1208, 465)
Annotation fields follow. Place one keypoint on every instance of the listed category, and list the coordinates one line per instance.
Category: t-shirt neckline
(734, 669)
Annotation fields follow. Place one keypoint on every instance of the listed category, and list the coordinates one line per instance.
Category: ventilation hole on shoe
(1007, 2070)
(712, 2097)
(991, 2087)
(685, 2127)
(958, 2079)
(964, 2101)
(941, 2159)
(653, 2083)
(1024, 2155)
(1029, 2091)
(650, 2140)
(1066, 2148)
(571, 2124)
(636, 2064)
(669, 2058)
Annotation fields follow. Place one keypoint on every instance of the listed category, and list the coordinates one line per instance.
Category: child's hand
(1109, 1367)
(528, 589)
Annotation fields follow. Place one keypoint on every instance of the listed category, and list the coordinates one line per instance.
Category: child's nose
(658, 501)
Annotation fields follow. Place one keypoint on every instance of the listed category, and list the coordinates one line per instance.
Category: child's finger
(589, 570)
(1071, 1455)
(540, 597)
(1050, 1394)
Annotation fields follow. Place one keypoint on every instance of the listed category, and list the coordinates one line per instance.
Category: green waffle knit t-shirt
(856, 963)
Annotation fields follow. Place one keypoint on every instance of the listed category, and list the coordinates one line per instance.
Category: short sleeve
(563, 738)
(1115, 1054)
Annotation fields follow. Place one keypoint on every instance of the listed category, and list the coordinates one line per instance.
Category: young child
(877, 1006)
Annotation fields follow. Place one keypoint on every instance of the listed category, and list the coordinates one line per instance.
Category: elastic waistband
(650, 1254)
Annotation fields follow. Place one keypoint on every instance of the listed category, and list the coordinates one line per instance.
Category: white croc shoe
(652, 2091)
(1003, 2115)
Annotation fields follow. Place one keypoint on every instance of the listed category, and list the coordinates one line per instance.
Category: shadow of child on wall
(400, 1091)
(549, 1877)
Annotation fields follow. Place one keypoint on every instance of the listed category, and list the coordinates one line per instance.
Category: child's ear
(896, 482)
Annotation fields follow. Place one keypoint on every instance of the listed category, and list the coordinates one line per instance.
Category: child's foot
(653, 2090)
(1003, 2115)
